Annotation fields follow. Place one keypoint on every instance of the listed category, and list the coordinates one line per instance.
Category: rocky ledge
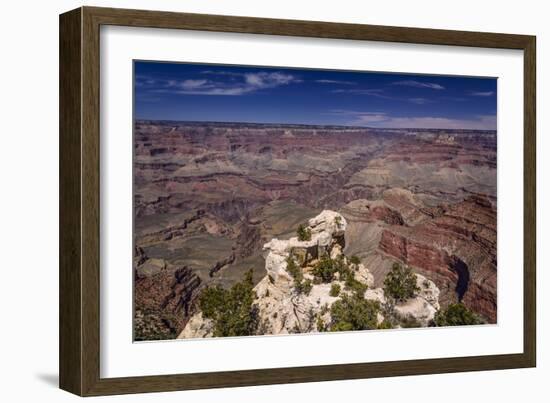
(292, 298)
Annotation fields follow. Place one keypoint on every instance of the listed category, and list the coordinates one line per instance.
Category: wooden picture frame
(80, 185)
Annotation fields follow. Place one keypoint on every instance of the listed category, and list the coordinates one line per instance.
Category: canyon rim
(277, 201)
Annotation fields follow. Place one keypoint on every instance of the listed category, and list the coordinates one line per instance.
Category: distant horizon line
(306, 125)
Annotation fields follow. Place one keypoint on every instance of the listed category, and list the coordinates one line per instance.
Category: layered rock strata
(453, 244)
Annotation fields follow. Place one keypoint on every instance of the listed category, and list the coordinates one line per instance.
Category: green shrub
(304, 286)
(400, 283)
(325, 269)
(355, 260)
(154, 324)
(324, 309)
(233, 311)
(456, 315)
(304, 234)
(321, 325)
(409, 321)
(342, 268)
(391, 317)
(386, 324)
(355, 286)
(301, 285)
(354, 313)
(293, 269)
(334, 290)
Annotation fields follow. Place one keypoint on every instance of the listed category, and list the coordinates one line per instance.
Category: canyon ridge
(218, 202)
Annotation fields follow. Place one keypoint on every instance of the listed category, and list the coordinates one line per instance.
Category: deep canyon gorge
(209, 196)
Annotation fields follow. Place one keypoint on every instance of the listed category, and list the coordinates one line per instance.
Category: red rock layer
(457, 247)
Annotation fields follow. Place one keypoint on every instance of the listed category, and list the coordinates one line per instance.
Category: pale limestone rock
(376, 294)
(364, 275)
(424, 305)
(335, 251)
(283, 310)
(329, 222)
(197, 327)
(284, 313)
(324, 229)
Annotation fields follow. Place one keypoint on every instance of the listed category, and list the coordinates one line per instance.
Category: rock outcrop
(453, 244)
(457, 248)
(327, 231)
(422, 308)
(284, 309)
(164, 297)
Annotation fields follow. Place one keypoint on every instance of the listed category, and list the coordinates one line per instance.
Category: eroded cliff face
(453, 244)
(283, 309)
(208, 196)
(164, 297)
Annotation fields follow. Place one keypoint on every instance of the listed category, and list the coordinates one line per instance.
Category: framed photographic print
(249, 201)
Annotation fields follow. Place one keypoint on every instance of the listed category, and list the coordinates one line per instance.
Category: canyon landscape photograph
(276, 201)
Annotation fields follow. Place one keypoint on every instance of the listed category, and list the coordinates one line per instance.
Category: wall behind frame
(29, 203)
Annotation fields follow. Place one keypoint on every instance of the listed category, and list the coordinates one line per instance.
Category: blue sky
(202, 92)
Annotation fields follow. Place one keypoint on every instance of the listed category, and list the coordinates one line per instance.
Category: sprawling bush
(355, 260)
(233, 311)
(304, 234)
(325, 269)
(386, 324)
(154, 324)
(354, 313)
(301, 285)
(400, 283)
(343, 268)
(334, 290)
(409, 321)
(355, 285)
(293, 269)
(304, 287)
(456, 315)
(325, 272)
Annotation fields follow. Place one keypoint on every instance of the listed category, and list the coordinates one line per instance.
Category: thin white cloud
(481, 93)
(358, 117)
(380, 93)
(419, 84)
(419, 101)
(373, 92)
(384, 120)
(323, 81)
(455, 99)
(350, 112)
(221, 72)
(268, 80)
(242, 84)
(192, 84)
